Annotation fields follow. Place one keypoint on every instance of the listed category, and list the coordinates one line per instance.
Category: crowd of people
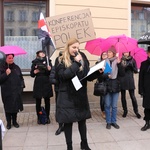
(72, 105)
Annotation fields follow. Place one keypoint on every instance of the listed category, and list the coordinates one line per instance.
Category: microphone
(76, 53)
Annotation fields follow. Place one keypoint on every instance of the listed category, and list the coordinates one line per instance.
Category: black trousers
(146, 114)
(11, 116)
(124, 102)
(102, 102)
(47, 106)
(82, 131)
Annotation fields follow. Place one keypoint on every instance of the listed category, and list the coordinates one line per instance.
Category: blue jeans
(111, 100)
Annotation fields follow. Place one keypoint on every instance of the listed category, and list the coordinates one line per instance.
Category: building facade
(18, 26)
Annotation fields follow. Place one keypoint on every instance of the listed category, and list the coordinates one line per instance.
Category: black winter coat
(144, 83)
(11, 88)
(127, 81)
(72, 105)
(42, 87)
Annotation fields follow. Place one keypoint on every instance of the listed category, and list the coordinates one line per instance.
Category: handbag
(100, 88)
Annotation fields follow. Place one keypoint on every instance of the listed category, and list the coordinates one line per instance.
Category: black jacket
(72, 105)
(113, 85)
(127, 81)
(42, 86)
(144, 83)
(11, 88)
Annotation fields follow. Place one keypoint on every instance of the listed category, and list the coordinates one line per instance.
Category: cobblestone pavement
(31, 136)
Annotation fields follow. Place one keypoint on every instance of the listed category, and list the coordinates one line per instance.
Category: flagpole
(45, 43)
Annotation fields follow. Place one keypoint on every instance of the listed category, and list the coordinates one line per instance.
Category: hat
(112, 49)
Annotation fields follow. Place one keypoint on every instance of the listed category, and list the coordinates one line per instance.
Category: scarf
(113, 64)
(125, 60)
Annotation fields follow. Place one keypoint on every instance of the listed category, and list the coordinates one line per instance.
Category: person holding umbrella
(127, 83)
(41, 69)
(102, 78)
(144, 89)
(113, 88)
(12, 84)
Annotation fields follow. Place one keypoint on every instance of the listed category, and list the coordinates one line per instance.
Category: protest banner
(77, 24)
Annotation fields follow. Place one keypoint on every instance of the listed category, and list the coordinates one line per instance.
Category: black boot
(146, 126)
(138, 115)
(14, 118)
(134, 103)
(60, 129)
(124, 103)
(8, 118)
(69, 146)
(84, 145)
(125, 113)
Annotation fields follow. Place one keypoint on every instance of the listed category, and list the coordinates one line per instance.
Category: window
(35, 32)
(22, 16)
(35, 16)
(10, 16)
(20, 28)
(141, 16)
(23, 32)
(9, 32)
(141, 23)
(142, 28)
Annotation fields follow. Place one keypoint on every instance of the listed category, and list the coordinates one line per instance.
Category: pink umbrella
(139, 54)
(122, 43)
(95, 46)
(16, 50)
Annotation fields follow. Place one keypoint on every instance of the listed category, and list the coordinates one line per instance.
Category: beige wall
(110, 17)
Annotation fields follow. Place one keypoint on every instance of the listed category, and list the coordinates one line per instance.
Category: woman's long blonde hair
(65, 57)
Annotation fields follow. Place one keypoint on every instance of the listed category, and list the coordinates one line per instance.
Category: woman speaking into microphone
(72, 105)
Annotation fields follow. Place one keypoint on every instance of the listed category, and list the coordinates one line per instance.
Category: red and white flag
(42, 23)
(44, 32)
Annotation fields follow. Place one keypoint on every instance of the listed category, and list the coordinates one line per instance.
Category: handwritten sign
(77, 24)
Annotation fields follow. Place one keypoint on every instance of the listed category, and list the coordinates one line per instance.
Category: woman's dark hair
(10, 54)
(40, 51)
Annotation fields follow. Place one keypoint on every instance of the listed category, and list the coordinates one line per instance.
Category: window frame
(2, 19)
(2, 15)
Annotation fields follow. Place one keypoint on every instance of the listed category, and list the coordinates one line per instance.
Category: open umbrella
(95, 46)
(122, 43)
(139, 54)
(16, 50)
